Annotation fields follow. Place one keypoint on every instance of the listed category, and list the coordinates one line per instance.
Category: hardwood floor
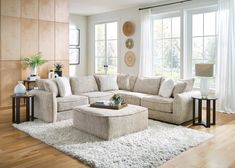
(19, 150)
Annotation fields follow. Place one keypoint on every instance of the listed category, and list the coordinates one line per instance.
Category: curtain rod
(155, 6)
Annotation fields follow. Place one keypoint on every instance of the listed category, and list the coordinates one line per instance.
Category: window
(106, 47)
(74, 45)
(203, 40)
(166, 46)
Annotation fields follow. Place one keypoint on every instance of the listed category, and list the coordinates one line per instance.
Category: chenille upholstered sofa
(50, 106)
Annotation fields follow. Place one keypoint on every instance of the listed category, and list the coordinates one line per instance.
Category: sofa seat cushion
(131, 97)
(158, 103)
(69, 102)
(95, 96)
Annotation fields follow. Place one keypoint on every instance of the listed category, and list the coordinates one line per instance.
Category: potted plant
(33, 62)
(117, 99)
(58, 69)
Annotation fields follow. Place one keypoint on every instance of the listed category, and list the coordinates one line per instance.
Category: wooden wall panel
(46, 39)
(10, 74)
(61, 41)
(45, 68)
(10, 8)
(29, 9)
(29, 37)
(46, 10)
(62, 11)
(10, 38)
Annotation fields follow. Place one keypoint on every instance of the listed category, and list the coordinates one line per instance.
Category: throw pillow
(108, 82)
(179, 88)
(64, 86)
(166, 88)
(190, 83)
(123, 81)
(51, 86)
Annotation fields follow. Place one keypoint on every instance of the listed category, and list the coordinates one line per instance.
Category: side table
(208, 100)
(16, 107)
(27, 83)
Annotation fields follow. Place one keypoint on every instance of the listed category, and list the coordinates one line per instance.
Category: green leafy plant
(34, 60)
(58, 67)
(117, 99)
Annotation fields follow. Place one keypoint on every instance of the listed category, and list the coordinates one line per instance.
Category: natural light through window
(166, 47)
(106, 50)
(203, 40)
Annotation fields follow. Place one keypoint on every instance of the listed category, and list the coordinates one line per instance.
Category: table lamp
(204, 71)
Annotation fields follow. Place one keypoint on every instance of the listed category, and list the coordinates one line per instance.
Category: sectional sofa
(176, 109)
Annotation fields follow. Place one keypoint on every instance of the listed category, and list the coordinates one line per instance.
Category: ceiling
(92, 7)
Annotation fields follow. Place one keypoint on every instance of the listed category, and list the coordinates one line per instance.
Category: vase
(20, 88)
(34, 71)
(59, 73)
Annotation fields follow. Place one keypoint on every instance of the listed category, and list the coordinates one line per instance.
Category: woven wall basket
(130, 59)
(128, 28)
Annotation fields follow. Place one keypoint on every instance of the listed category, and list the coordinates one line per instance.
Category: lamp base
(204, 87)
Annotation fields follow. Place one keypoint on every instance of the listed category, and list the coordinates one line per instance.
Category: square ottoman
(107, 123)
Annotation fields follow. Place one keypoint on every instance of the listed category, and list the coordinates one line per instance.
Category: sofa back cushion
(49, 85)
(83, 84)
(64, 86)
(123, 81)
(147, 85)
(106, 82)
(132, 80)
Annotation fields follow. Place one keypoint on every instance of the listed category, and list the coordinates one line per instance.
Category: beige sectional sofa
(135, 90)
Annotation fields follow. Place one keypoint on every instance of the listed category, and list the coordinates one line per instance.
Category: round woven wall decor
(129, 43)
(128, 28)
(130, 58)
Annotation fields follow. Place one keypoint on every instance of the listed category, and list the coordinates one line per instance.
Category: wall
(121, 16)
(80, 22)
(27, 27)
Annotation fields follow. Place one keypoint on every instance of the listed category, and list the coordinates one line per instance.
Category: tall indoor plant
(33, 62)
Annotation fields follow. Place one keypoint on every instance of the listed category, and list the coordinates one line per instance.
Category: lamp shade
(204, 70)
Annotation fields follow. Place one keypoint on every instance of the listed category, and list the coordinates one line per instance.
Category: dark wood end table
(208, 100)
(28, 82)
(16, 107)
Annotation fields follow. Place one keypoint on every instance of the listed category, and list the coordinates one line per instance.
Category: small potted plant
(33, 62)
(117, 99)
(58, 69)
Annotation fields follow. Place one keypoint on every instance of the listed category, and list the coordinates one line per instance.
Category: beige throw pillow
(64, 86)
(166, 88)
(179, 88)
(108, 82)
(189, 82)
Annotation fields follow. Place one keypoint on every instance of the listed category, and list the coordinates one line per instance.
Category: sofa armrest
(45, 105)
(183, 106)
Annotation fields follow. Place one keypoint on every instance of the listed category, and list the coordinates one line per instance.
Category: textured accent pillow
(179, 88)
(166, 88)
(50, 85)
(83, 84)
(147, 85)
(64, 86)
(123, 81)
(108, 82)
(189, 82)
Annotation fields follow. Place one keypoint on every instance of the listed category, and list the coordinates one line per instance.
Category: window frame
(106, 57)
(172, 14)
(188, 73)
(75, 46)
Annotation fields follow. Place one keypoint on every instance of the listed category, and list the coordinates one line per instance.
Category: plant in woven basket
(117, 99)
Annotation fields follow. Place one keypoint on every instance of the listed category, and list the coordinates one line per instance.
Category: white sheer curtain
(225, 76)
(145, 44)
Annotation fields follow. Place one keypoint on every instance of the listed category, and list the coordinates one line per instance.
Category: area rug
(146, 149)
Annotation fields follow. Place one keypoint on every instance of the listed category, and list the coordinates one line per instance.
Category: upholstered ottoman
(108, 124)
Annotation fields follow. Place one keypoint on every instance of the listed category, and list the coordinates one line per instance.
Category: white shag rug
(146, 149)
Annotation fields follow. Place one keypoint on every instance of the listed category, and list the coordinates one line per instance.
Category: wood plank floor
(19, 150)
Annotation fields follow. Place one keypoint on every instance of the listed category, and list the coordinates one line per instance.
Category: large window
(106, 47)
(166, 46)
(203, 40)
(74, 45)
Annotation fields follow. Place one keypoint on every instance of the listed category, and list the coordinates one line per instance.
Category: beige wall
(27, 27)
(80, 22)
